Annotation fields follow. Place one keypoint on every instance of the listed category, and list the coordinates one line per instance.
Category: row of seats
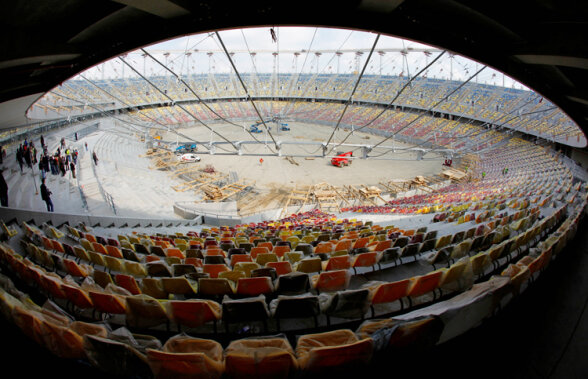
(517, 272)
(533, 175)
(245, 268)
(182, 354)
(335, 262)
(330, 280)
(122, 353)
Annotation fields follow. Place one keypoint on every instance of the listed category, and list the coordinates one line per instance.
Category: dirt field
(277, 172)
(276, 176)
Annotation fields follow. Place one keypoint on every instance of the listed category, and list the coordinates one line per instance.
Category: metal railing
(107, 197)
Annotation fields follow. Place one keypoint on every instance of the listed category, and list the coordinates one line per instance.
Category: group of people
(65, 159)
(59, 163)
(26, 153)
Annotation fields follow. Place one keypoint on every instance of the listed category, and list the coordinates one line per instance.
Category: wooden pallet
(327, 202)
(371, 193)
(217, 194)
(297, 197)
(327, 196)
(454, 174)
(362, 195)
(161, 164)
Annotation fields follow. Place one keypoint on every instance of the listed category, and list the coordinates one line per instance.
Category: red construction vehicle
(341, 159)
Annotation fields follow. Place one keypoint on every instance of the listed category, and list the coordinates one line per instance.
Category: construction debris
(200, 181)
(291, 160)
(328, 197)
(419, 182)
(297, 197)
(216, 194)
(165, 163)
(395, 186)
(371, 193)
(209, 169)
(155, 152)
(454, 174)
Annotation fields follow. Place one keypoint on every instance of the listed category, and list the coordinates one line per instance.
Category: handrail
(107, 197)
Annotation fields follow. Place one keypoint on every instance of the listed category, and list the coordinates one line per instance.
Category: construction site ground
(274, 183)
(276, 177)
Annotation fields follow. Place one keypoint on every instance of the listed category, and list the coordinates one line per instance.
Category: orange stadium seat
(424, 284)
(254, 286)
(127, 282)
(341, 262)
(193, 313)
(183, 356)
(331, 281)
(390, 292)
(334, 350)
(236, 258)
(214, 269)
(269, 357)
(364, 260)
(282, 267)
(258, 250)
(108, 303)
(114, 251)
(77, 296)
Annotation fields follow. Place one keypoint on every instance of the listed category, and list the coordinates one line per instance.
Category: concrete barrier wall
(224, 217)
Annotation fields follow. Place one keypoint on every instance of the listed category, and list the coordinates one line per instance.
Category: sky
(295, 39)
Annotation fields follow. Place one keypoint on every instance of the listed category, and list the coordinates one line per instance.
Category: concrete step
(91, 190)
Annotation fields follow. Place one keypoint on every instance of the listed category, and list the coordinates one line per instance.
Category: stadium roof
(542, 44)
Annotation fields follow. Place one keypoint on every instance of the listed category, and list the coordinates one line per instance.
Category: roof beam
(161, 8)
(554, 60)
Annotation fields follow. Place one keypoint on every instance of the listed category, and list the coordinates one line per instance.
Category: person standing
(45, 161)
(95, 158)
(19, 157)
(42, 169)
(46, 196)
(27, 156)
(3, 190)
(62, 165)
(52, 164)
(72, 167)
(33, 153)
